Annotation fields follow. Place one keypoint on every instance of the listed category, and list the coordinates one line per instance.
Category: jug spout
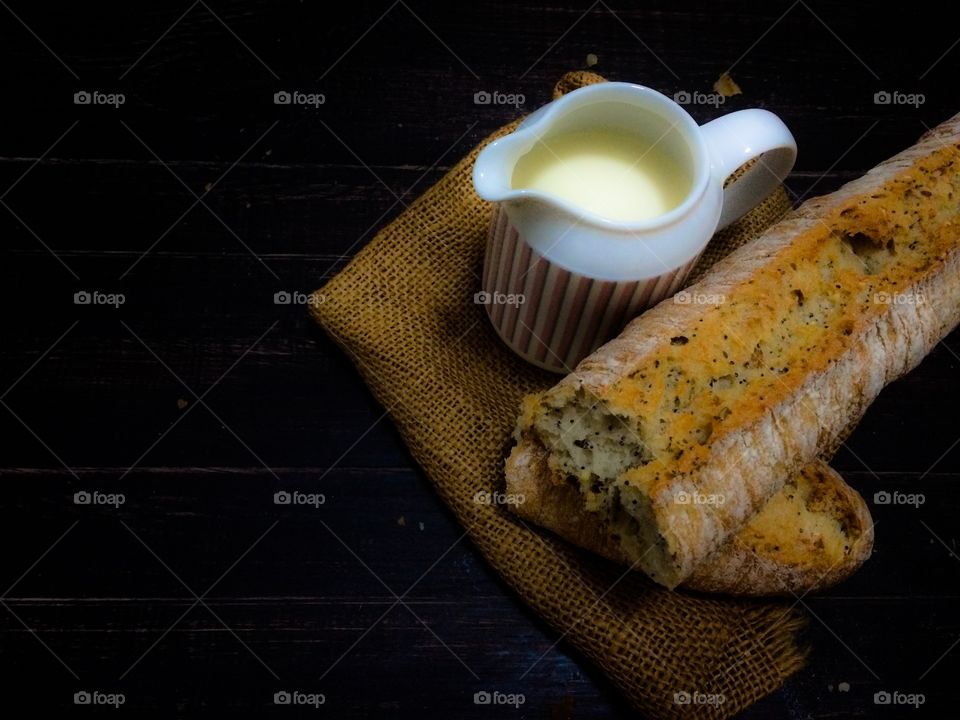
(493, 170)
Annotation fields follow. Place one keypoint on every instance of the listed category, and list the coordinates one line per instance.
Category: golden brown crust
(805, 293)
(814, 533)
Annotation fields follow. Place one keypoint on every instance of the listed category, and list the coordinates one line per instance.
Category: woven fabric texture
(403, 311)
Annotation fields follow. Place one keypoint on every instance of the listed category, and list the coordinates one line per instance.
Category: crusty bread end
(812, 534)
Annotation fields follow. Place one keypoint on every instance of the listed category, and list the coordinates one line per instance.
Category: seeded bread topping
(849, 292)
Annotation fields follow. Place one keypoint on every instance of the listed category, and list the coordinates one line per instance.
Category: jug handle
(739, 138)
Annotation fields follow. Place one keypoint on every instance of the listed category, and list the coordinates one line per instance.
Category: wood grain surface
(199, 397)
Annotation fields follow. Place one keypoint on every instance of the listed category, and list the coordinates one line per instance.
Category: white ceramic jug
(559, 280)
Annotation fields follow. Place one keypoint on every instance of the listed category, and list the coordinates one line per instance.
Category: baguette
(796, 334)
(813, 533)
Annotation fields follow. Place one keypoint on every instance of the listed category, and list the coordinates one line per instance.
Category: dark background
(200, 397)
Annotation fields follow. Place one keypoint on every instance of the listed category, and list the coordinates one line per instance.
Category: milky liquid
(615, 174)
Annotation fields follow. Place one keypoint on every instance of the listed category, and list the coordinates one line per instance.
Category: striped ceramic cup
(560, 276)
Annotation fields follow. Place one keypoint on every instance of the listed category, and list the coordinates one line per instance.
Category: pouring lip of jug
(493, 169)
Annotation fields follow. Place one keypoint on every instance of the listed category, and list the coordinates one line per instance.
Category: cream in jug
(615, 174)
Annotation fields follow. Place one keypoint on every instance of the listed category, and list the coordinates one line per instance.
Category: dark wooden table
(198, 398)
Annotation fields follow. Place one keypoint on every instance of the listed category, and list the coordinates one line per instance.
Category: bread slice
(795, 334)
(810, 535)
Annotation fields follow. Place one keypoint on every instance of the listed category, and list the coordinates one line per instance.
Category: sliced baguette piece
(792, 337)
(813, 533)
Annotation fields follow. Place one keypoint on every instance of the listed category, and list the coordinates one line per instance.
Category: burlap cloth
(403, 311)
